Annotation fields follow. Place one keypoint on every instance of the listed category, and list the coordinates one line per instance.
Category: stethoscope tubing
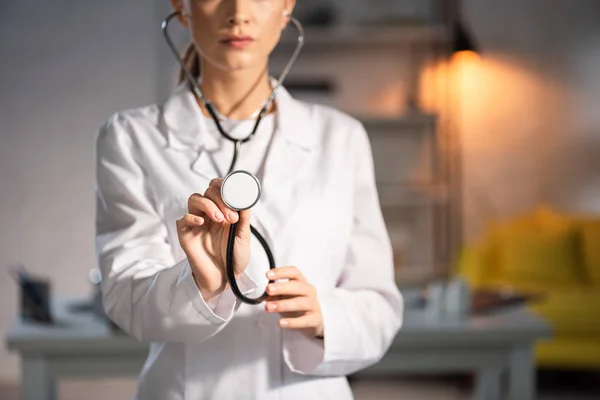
(230, 266)
(230, 271)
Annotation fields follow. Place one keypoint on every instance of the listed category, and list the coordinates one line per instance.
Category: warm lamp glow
(465, 56)
(389, 100)
(494, 100)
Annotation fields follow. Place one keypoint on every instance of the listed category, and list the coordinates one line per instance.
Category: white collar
(186, 127)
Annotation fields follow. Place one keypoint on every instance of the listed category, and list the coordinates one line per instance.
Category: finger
(214, 193)
(299, 303)
(291, 273)
(200, 205)
(290, 288)
(309, 320)
(188, 221)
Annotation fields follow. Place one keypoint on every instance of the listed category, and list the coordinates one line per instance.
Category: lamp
(462, 39)
(463, 49)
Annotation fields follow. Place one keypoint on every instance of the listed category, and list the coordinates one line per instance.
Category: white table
(492, 346)
(84, 345)
(80, 344)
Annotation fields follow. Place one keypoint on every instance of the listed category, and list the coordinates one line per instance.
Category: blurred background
(483, 118)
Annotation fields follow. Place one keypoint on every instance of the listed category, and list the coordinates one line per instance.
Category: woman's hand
(203, 234)
(296, 301)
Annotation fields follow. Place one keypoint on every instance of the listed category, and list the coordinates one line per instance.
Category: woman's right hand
(203, 233)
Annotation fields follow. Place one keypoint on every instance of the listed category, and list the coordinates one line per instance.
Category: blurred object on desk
(34, 296)
(488, 300)
(454, 299)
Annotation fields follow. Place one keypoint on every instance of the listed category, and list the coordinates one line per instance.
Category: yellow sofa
(557, 256)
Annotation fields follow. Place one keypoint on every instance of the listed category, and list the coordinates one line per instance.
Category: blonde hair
(191, 59)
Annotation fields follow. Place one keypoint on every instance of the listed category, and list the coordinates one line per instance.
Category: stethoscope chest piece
(240, 190)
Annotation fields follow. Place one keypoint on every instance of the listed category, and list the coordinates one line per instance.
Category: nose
(240, 12)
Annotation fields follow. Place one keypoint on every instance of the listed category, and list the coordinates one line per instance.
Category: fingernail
(272, 306)
(270, 274)
(232, 217)
(198, 220)
(272, 289)
(283, 322)
(218, 216)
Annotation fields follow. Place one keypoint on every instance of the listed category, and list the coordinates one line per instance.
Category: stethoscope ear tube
(237, 142)
(230, 270)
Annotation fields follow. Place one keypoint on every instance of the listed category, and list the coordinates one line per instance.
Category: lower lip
(238, 44)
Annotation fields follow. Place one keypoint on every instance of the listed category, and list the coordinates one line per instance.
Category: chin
(239, 62)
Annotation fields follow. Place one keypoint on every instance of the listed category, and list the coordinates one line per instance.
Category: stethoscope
(240, 189)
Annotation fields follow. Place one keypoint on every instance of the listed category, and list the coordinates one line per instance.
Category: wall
(66, 66)
(530, 125)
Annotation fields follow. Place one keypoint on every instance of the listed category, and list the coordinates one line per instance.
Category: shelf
(361, 35)
(405, 121)
(407, 195)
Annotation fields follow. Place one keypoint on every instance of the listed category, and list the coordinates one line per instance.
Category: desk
(81, 344)
(491, 346)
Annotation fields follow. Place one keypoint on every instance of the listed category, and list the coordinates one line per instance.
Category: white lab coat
(319, 211)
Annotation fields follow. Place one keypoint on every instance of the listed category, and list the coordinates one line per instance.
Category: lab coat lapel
(186, 131)
(286, 179)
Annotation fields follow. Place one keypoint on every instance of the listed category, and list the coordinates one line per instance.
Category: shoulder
(123, 127)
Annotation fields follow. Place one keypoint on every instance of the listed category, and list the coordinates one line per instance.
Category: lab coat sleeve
(363, 313)
(145, 291)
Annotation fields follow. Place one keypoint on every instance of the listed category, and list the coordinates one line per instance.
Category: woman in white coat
(162, 226)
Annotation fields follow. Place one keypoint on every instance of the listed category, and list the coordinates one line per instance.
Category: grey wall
(67, 65)
(530, 126)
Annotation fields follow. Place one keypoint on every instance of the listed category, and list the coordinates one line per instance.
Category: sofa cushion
(533, 251)
(574, 353)
(475, 264)
(548, 256)
(571, 314)
(590, 248)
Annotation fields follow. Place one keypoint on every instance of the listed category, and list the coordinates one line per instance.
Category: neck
(238, 94)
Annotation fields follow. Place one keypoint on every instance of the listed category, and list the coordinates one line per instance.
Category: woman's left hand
(295, 300)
